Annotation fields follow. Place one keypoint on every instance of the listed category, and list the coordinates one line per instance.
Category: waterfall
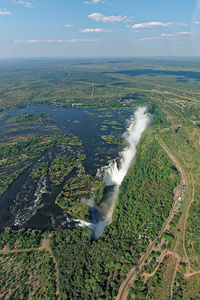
(115, 173)
(137, 124)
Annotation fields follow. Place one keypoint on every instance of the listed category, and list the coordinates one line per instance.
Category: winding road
(126, 285)
(64, 77)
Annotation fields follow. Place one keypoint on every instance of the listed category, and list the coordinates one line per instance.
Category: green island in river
(111, 139)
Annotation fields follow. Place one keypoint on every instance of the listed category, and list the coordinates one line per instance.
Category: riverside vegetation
(145, 199)
(90, 269)
(13, 155)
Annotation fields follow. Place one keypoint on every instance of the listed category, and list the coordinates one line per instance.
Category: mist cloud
(114, 176)
(138, 124)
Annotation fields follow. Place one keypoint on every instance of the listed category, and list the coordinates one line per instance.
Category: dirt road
(123, 291)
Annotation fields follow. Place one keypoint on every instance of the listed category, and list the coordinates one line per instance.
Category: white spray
(114, 175)
(138, 123)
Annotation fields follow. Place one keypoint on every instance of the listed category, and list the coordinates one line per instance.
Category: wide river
(19, 205)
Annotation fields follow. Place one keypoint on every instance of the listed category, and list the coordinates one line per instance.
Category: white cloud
(53, 41)
(29, 5)
(4, 12)
(83, 40)
(151, 38)
(178, 33)
(109, 19)
(24, 3)
(183, 33)
(197, 22)
(27, 41)
(95, 30)
(166, 34)
(97, 1)
(69, 25)
(150, 25)
(93, 1)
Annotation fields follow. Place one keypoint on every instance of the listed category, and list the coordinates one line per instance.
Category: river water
(22, 205)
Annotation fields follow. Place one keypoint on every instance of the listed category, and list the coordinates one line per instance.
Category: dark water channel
(31, 204)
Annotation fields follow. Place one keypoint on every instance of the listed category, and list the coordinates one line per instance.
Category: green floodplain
(66, 263)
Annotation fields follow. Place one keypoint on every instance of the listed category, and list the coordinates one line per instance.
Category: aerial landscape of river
(31, 204)
(100, 150)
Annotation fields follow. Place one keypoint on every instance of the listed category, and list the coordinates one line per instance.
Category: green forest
(143, 205)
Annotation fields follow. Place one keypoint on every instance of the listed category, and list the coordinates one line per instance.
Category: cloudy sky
(99, 28)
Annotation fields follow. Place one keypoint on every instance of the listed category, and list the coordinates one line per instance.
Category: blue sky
(99, 28)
